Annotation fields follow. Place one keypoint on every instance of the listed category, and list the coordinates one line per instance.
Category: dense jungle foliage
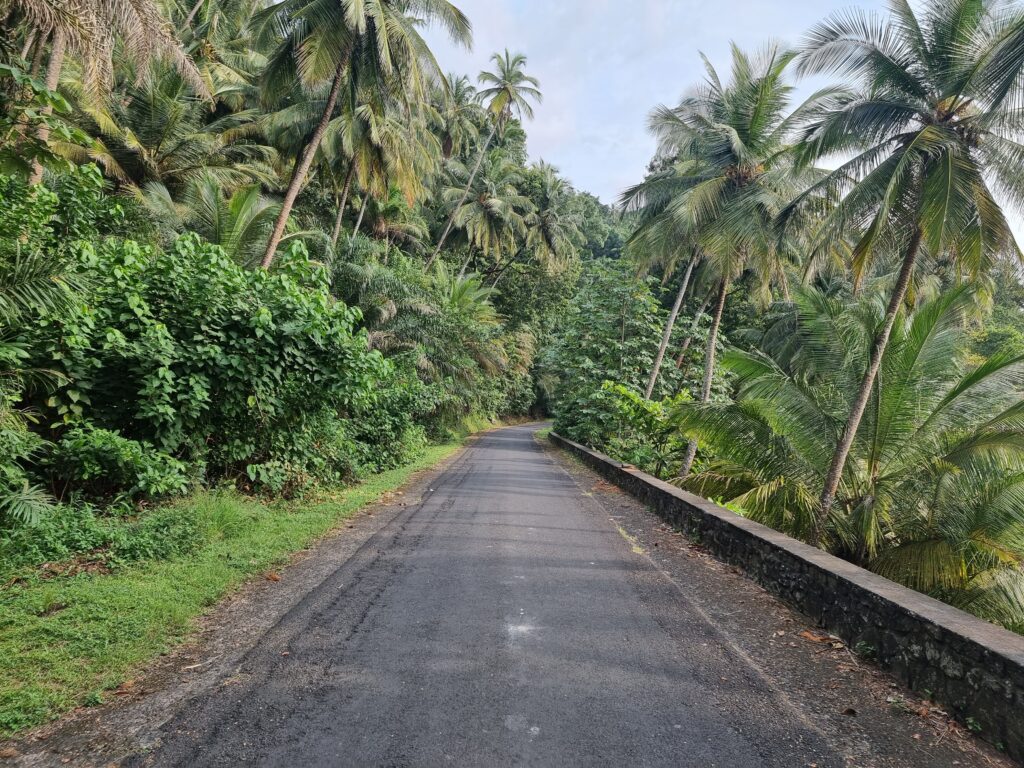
(239, 247)
(272, 246)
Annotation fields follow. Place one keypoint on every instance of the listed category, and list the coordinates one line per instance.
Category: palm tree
(659, 243)
(381, 149)
(931, 127)
(237, 221)
(393, 220)
(158, 132)
(330, 40)
(91, 31)
(508, 93)
(552, 229)
(731, 172)
(455, 114)
(932, 494)
(495, 215)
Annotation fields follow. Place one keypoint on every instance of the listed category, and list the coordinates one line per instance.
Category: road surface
(504, 619)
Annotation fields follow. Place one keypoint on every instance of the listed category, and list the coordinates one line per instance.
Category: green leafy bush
(620, 422)
(100, 464)
(209, 361)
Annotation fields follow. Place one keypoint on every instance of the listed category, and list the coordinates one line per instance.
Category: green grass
(65, 641)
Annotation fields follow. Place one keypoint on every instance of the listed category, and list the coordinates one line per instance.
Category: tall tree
(552, 227)
(331, 40)
(508, 93)
(90, 33)
(495, 216)
(730, 172)
(934, 122)
(932, 494)
(659, 243)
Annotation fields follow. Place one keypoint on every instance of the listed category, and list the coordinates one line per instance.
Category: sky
(604, 64)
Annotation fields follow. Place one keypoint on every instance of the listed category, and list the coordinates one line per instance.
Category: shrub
(619, 421)
(100, 464)
(208, 361)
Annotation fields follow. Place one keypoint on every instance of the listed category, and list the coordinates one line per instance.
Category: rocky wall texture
(972, 667)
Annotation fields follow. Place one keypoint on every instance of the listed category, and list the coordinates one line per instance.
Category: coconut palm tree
(552, 229)
(456, 114)
(932, 494)
(333, 41)
(660, 244)
(394, 221)
(730, 172)
(933, 127)
(508, 93)
(158, 132)
(89, 31)
(494, 218)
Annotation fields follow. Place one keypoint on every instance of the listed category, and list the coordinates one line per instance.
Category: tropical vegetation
(272, 250)
(849, 265)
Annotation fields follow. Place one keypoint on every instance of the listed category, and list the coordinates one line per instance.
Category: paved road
(499, 621)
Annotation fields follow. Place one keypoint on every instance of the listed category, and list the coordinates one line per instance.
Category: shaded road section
(500, 620)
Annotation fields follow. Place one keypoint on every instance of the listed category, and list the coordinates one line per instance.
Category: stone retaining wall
(974, 668)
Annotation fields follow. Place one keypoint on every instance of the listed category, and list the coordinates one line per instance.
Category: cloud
(604, 64)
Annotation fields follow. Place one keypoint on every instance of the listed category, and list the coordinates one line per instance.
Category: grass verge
(65, 640)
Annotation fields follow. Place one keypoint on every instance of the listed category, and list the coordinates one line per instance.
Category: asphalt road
(499, 621)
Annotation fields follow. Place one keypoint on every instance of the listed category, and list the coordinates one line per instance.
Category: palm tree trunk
(30, 38)
(359, 219)
(465, 264)
(669, 325)
(53, 68)
(465, 194)
(37, 57)
(835, 471)
(690, 334)
(336, 233)
(193, 12)
(709, 370)
(303, 165)
(359, 223)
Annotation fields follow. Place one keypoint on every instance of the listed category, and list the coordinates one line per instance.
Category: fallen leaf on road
(273, 576)
(815, 637)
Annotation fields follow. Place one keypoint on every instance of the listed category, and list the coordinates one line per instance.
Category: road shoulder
(129, 723)
(876, 721)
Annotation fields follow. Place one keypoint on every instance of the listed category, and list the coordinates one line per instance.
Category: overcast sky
(603, 64)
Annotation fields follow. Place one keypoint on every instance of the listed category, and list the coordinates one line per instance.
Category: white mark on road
(519, 723)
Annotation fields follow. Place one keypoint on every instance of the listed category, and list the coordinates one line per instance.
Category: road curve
(499, 621)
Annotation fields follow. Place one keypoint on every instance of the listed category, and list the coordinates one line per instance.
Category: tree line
(848, 265)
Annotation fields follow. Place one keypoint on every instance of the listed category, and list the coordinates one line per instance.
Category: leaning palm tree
(660, 244)
(933, 128)
(507, 93)
(331, 41)
(932, 494)
(730, 172)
